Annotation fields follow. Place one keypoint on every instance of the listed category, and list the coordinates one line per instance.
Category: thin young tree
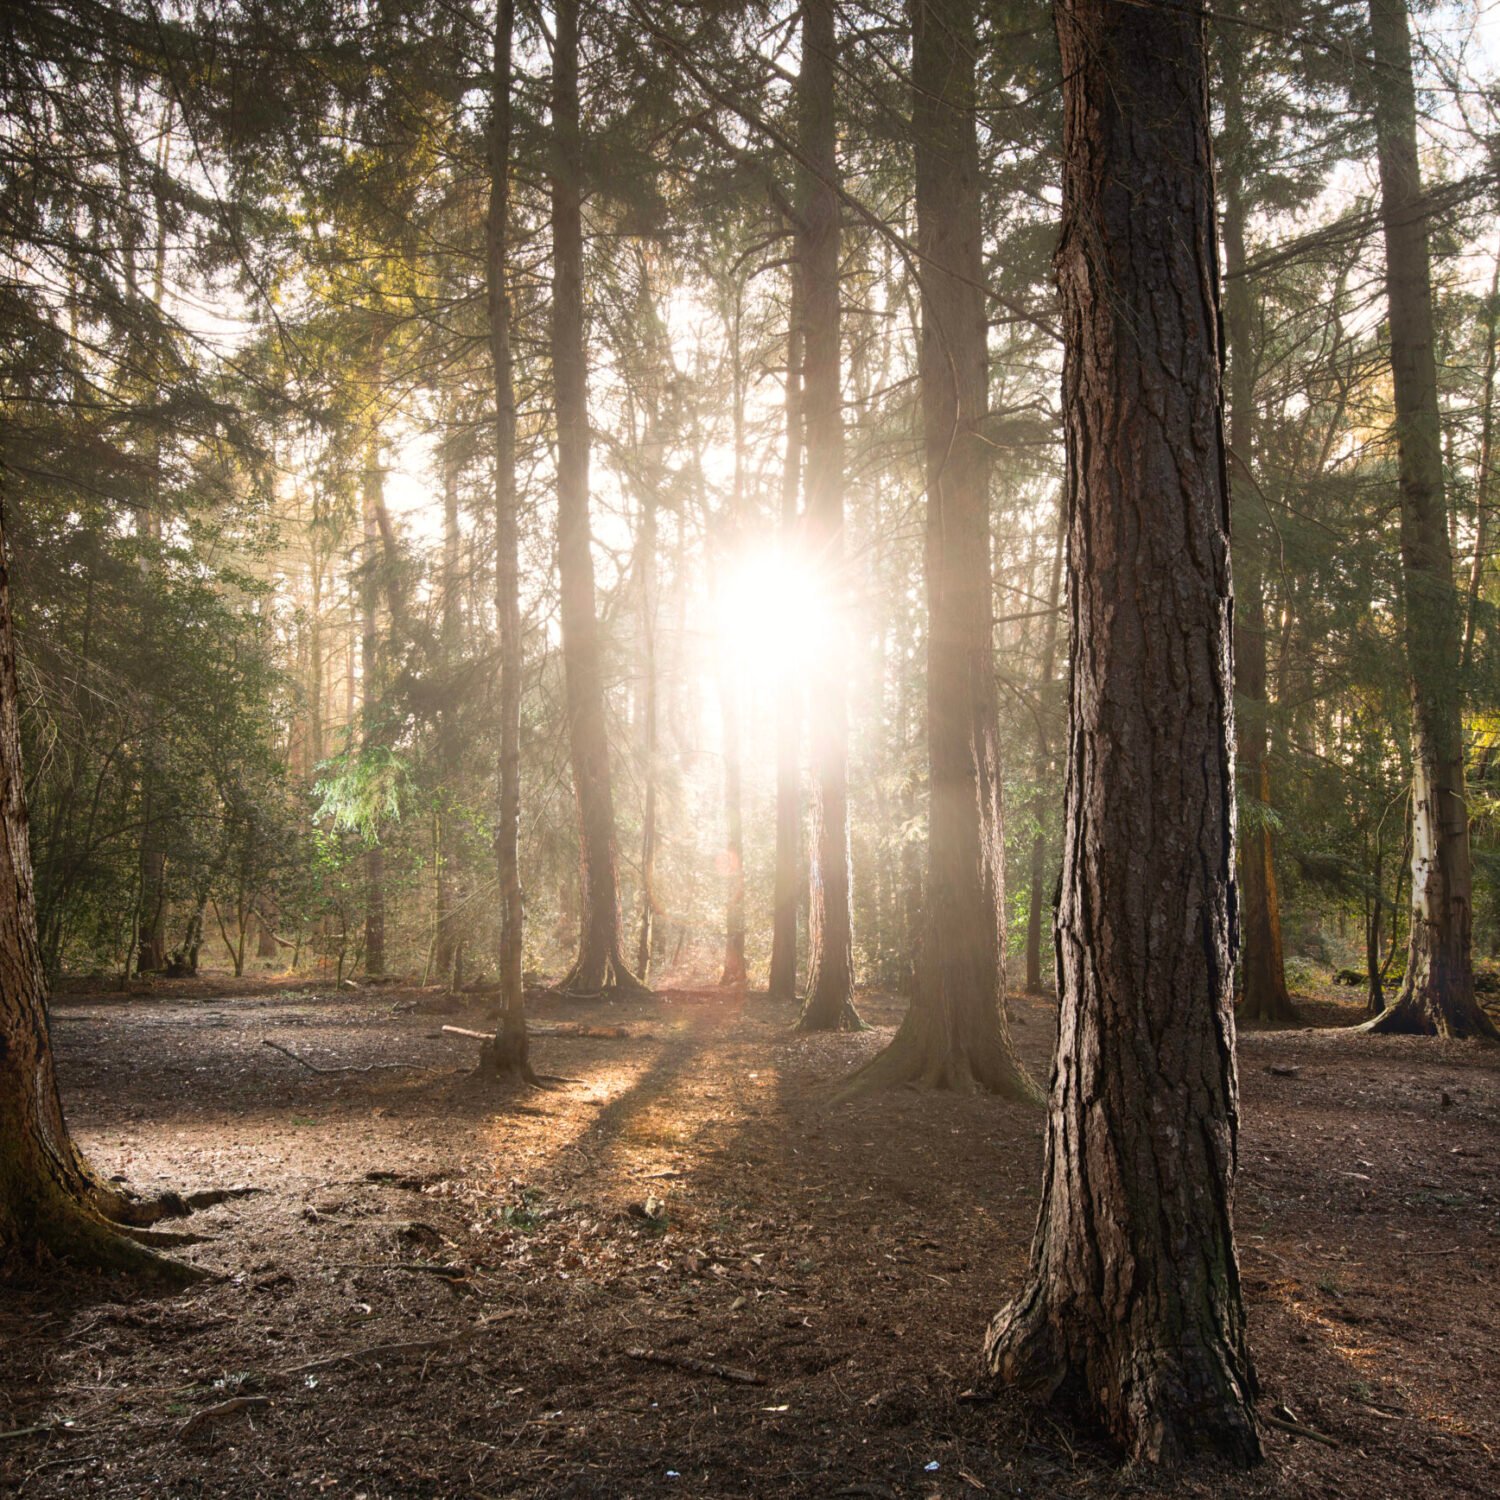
(1437, 994)
(506, 1056)
(830, 996)
(954, 1035)
(787, 886)
(600, 965)
(1132, 1304)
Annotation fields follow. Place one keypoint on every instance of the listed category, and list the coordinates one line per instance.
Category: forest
(749, 748)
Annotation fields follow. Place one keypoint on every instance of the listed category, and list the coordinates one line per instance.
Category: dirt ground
(683, 1271)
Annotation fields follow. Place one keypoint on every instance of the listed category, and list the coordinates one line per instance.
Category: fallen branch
(569, 1029)
(1297, 1429)
(212, 1414)
(391, 1351)
(314, 1068)
(20, 1432)
(421, 1267)
(698, 1366)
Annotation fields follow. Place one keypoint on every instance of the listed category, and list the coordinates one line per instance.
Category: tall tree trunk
(507, 1054)
(52, 1206)
(1485, 477)
(733, 975)
(830, 997)
(645, 945)
(787, 887)
(600, 964)
(372, 673)
(1132, 1303)
(1437, 995)
(448, 849)
(1265, 996)
(954, 1035)
(1041, 760)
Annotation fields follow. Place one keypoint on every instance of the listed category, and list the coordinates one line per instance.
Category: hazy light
(773, 613)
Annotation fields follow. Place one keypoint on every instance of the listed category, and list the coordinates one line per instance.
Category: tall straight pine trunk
(830, 998)
(1437, 995)
(787, 888)
(1264, 995)
(1132, 1305)
(954, 1035)
(508, 1054)
(600, 964)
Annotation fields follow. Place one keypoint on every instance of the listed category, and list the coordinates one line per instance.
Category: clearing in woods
(682, 1270)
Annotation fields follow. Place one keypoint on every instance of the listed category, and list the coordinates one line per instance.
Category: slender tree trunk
(733, 975)
(1484, 480)
(782, 983)
(448, 846)
(830, 998)
(1265, 996)
(955, 1035)
(1041, 760)
(371, 682)
(507, 1055)
(1132, 1304)
(1437, 995)
(600, 965)
(52, 1205)
(645, 946)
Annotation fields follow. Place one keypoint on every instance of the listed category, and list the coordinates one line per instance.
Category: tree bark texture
(509, 1056)
(1437, 995)
(954, 1035)
(830, 997)
(1132, 1305)
(600, 964)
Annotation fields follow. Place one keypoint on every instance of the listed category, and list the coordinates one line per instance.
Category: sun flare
(774, 613)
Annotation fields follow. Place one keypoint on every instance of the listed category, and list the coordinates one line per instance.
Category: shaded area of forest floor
(846, 1256)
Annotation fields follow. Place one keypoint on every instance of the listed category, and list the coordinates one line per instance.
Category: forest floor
(684, 1271)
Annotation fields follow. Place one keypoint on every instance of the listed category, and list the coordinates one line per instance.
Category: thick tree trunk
(52, 1206)
(830, 997)
(954, 1035)
(1132, 1305)
(782, 984)
(506, 1056)
(1265, 996)
(600, 965)
(1437, 995)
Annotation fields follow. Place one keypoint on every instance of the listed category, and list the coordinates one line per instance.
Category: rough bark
(782, 983)
(1132, 1306)
(52, 1206)
(954, 1035)
(600, 965)
(1437, 995)
(830, 998)
(506, 1056)
(1264, 995)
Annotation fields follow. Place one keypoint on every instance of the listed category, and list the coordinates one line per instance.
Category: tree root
(924, 1055)
(1415, 1014)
